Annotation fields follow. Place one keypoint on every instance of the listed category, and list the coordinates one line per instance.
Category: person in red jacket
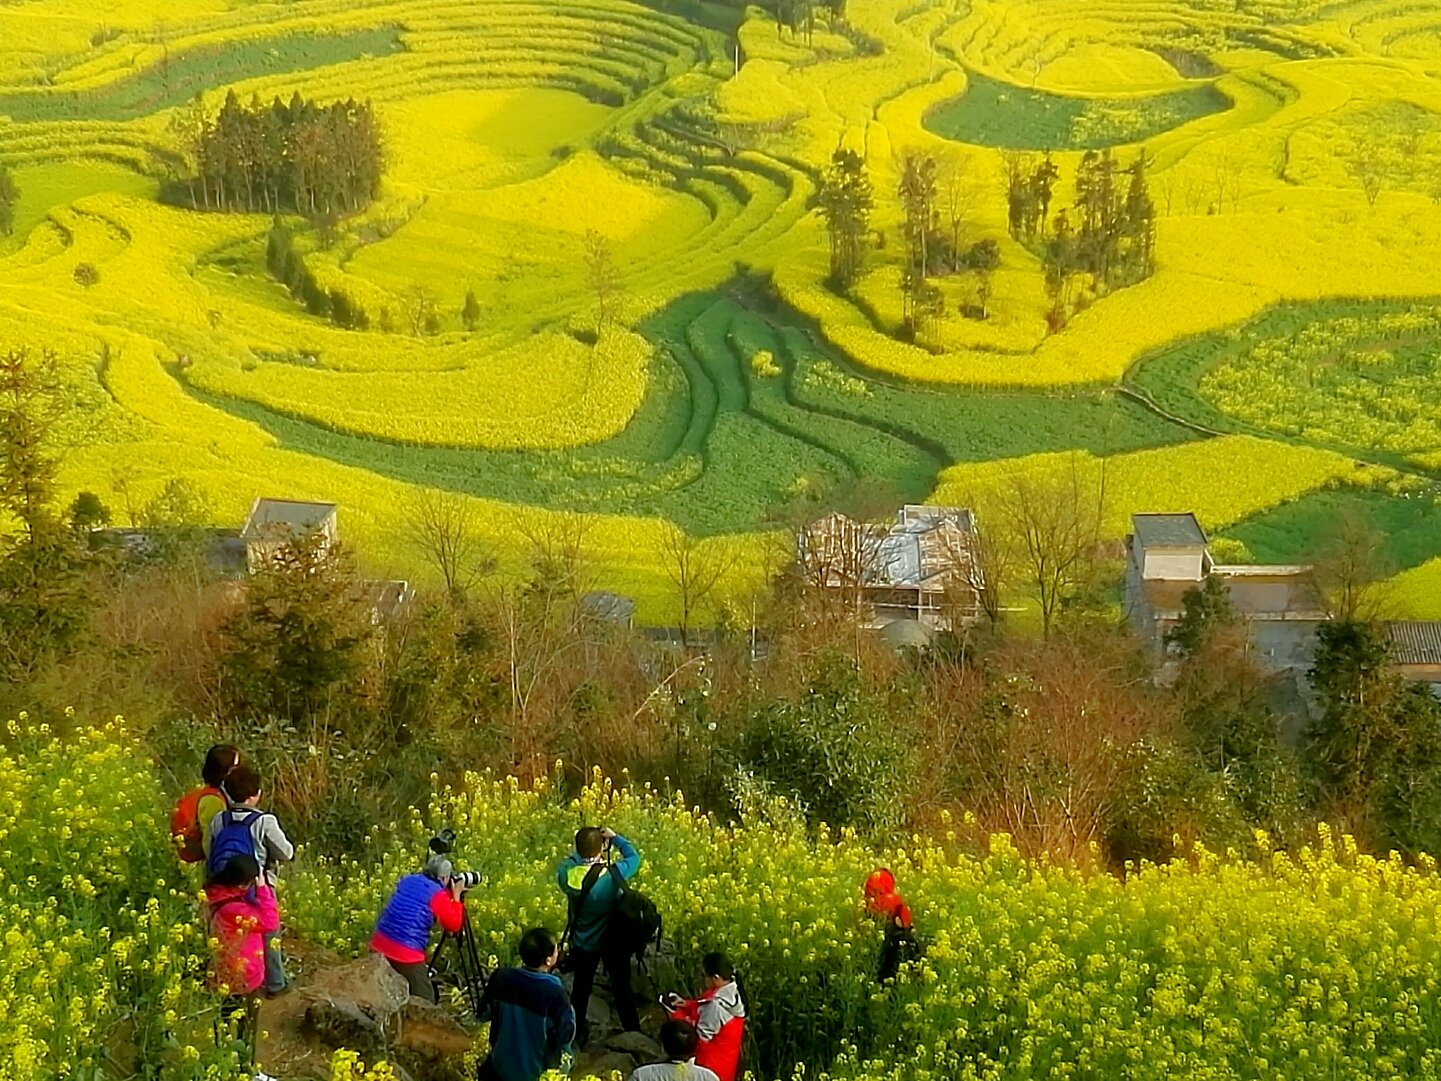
(242, 912)
(403, 930)
(719, 1016)
(884, 902)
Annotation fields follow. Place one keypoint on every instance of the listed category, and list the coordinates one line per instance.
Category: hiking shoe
(279, 992)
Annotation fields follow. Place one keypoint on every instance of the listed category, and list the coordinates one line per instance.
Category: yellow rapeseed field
(514, 129)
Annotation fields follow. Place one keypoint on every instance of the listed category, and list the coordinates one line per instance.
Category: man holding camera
(419, 901)
(588, 879)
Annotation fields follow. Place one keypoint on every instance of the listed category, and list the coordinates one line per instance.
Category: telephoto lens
(467, 879)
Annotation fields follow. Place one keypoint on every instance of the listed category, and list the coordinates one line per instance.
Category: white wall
(1175, 564)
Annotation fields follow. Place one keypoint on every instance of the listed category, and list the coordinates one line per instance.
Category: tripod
(464, 971)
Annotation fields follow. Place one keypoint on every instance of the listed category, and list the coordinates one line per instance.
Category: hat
(879, 884)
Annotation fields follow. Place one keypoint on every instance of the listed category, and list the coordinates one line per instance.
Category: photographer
(403, 930)
(588, 880)
(718, 1014)
(532, 1024)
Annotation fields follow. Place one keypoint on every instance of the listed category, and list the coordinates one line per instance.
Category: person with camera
(718, 1014)
(679, 1040)
(593, 887)
(532, 1024)
(419, 901)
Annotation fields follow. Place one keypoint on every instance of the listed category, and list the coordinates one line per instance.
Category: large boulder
(429, 1031)
(337, 1023)
(637, 1045)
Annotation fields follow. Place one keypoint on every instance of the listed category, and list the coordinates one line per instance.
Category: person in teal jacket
(587, 877)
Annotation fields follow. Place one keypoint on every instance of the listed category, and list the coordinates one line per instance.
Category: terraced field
(1294, 151)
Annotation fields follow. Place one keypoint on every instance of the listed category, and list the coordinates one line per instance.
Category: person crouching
(403, 931)
(719, 1016)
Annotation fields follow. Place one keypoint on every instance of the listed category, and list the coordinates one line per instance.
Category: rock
(344, 1024)
(637, 1045)
(430, 1031)
(603, 1065)
(369, 983)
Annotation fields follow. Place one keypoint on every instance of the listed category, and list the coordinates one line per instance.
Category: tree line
(935, 201)
(1105, 240)
(320, 161)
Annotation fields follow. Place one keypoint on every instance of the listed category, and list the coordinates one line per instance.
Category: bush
(98, 957)
(835, 751)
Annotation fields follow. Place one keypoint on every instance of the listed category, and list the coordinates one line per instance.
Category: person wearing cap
(403, 931)
(885, 903)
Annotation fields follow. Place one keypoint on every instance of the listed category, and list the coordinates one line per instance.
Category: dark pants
(242, 1012)
(417, 975)
(617, 967)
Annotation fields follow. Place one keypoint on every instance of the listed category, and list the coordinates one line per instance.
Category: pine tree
(846, 201)
(9, 198)
(470, 311)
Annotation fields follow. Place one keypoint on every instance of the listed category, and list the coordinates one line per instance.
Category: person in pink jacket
(242, 911)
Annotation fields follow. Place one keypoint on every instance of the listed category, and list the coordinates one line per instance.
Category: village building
(275, 523)
(920, 568)
(1416, 651)
(1168, 556)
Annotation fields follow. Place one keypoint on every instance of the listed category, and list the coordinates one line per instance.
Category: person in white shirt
(678, 1039)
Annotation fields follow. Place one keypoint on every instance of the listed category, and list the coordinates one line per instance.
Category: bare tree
(987, 566)
(602, 277)
(1057, 525)
(1226, 174)
(695, 570)
(420, 311)
(1352, 569)
(959, 195)
(1367, 166)
(558, 555)
(445, 528)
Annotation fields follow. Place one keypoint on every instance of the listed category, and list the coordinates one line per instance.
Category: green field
(993, 113)
(718, 448)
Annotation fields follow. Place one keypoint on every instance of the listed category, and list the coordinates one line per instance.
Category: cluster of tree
(318, 161)
(935, 201)
(9, 197)
(287, 266)
(800, 16)
(1105, 240)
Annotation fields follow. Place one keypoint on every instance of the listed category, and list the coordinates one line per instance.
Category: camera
(440, 847)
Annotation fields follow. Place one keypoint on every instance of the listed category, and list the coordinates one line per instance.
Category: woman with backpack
(243, 829)
(190, 822)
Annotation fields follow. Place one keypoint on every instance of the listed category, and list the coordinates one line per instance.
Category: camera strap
(591, 878)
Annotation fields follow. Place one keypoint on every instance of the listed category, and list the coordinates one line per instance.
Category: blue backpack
(233, 839)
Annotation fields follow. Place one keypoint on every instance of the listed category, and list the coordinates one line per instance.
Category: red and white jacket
(720, 1018)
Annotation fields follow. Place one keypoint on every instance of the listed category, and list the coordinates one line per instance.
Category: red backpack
(185, 823)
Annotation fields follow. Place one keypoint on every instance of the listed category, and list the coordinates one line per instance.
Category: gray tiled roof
(1168, 531)
(1415, 641)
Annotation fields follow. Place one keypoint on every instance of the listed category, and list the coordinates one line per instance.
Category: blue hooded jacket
(531, 1020)
(591, 920)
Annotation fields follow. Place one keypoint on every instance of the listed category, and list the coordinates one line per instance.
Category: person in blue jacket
(587, 877)
(532, 1024)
